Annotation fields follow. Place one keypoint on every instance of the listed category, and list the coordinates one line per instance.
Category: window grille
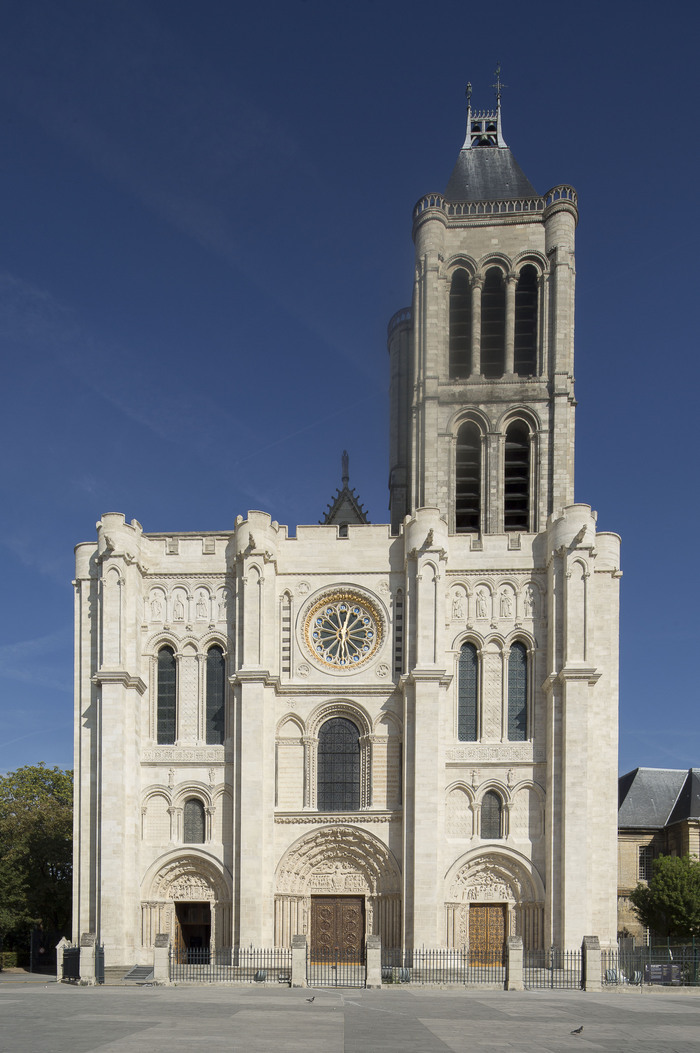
(216, 696)
(166, 696)
(491, 814)
(525, 345)
(460, 326)
(467, 694)
(516, 489)
(398, 634)
(493, 324)
(468, 479)
(338, 766)
(646, 858)
(517, 693)
(193, 824)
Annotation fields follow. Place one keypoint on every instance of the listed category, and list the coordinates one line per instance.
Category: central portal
(338, 926)
(487, 933)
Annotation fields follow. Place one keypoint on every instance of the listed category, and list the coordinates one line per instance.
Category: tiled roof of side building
(648, 796)
(688, 803)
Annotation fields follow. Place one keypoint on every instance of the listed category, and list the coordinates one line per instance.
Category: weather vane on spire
(498, 86)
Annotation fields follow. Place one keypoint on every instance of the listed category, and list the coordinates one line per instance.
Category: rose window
(342, 631)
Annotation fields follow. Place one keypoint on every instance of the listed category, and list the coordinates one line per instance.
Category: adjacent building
(406, 729)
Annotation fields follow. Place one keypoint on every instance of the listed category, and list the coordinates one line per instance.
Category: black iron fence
(552, 968)
(71, 963)
(231, 965)
(668, 966)
(335, 967)
(427, 965)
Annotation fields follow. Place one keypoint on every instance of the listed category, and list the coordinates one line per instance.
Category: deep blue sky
(205, 227)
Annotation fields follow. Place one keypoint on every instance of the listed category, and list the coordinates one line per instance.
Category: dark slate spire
(486, 169)
(346, 507)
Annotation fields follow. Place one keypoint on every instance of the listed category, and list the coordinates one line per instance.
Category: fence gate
(335, 967)
(71, 963)
(552, 968)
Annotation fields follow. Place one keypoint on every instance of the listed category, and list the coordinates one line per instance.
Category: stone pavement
(41, 1016)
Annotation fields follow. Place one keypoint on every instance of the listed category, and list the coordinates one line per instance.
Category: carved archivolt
(336, 860)
(189, 877)
(492, 877)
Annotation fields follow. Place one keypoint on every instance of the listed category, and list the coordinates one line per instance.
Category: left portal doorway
(192, 932)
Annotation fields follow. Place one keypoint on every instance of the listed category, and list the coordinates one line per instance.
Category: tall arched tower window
(193, 822)
(468, 694)
(166, 697)
(215, 696)
(460, 326)
(468, 479)
(517, 693)
(516, 483)
(338, 787)
(525, 347)
(493, 324)
(491, 816)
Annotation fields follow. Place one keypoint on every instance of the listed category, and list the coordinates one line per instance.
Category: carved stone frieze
(343, 817)
(479, 752)
(198, 754)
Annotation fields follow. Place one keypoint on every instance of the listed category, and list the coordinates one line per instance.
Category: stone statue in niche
(156, 608)
(457, 607)
(223, 607)
(506, 604)
(482, 603)
(201, 606)
(529, 601)
(179, 609)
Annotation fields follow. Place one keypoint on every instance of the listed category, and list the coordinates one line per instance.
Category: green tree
(36, 830)
(670, 904)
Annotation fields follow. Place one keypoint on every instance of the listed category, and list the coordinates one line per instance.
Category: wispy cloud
(30, 660)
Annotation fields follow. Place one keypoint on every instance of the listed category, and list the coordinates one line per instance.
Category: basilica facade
(405, 729)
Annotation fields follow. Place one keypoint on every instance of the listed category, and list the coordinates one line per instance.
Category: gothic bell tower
(482, 385)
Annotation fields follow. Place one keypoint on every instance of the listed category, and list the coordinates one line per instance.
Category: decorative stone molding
(334, 856)
(346, 818)
(198, 754)
(480, 752)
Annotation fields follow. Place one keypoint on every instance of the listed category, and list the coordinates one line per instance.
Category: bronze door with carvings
(338, 927)
(487, 933)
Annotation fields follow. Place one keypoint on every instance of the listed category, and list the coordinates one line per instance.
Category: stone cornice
(119, 676)
(585, 673)
(345, 818)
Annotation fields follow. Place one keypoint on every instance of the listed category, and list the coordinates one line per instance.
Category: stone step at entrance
(137, 974)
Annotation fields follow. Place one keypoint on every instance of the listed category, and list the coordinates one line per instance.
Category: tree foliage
(36, 830)
(670, 904)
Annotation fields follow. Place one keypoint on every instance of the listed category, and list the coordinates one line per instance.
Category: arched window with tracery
(493, 323)
(338, 766)
(517, 692)
(468, 479)
(516, 483)
(491, 816)
(525, 336)
(166, 694)
(193, 826)
(460, 326)
(468, 694)
(215, 696)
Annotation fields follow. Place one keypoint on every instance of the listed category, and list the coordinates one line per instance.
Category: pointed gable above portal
(346, 508)
(486, 169)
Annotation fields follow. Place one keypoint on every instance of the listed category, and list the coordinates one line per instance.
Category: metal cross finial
(498, 86)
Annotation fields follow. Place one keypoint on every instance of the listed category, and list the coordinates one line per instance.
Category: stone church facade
(404, 729)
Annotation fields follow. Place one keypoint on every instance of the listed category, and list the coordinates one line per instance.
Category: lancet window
(516, 488)
(491, 816)
(193, 822)
(460, 326)
(468, 479)
(215, 696)
(493, 323)
(468, 694)
(166, 721)
(338, 767)
(525, 337)
(517, 692)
